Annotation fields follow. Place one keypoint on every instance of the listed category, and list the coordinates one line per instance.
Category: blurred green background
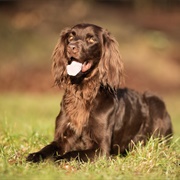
(148, 32)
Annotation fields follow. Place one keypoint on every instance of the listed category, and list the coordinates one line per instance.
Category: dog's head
(86, 51)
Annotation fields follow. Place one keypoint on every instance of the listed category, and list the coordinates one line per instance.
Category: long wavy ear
(111, 65)
(59, 60)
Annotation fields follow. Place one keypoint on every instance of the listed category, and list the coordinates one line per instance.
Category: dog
(97, 117)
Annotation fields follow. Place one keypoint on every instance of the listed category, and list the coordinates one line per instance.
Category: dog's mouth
(86, 66)
(75, 67)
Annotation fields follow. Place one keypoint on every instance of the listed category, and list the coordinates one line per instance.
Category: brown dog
(96, 116)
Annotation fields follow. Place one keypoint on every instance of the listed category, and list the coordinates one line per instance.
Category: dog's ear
(59, 61)
(111, 65)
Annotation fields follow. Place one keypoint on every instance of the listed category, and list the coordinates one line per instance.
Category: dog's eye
(70, 38)
(90, 40)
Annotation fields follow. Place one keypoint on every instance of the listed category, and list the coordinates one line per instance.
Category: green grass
(27, 124)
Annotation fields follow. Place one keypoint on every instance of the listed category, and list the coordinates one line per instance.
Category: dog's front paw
(35, 157)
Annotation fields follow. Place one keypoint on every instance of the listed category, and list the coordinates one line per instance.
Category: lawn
(27, 124)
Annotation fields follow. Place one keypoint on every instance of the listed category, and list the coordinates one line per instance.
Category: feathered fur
(97, 117)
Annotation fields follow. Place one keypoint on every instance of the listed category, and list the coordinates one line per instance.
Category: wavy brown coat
(97, 117)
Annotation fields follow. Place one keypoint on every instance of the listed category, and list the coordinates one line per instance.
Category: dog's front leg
(45, 152)
(83, 155)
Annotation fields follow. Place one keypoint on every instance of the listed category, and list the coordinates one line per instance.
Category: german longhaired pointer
(97, 117)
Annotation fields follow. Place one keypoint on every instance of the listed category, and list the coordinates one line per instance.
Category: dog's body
(97, 117)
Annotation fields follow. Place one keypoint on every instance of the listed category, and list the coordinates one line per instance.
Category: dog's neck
(77, 102)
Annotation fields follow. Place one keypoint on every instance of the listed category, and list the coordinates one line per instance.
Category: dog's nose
(73, 47)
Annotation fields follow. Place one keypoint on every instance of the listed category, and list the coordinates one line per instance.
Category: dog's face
(85, 50)
(84, 45)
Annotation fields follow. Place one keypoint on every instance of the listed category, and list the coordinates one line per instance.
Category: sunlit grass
(27, 124)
